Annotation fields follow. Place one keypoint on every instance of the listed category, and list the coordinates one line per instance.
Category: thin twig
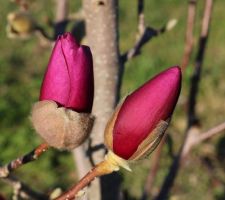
(102, 168)
(145, 37)
(192, 119)
(210, 133)
(154, 169)
(141, 17)
(196, 138)
(195, 79)
(189, 34)
(24, 190)
(31, 156)
(170, 178)
(145, 34)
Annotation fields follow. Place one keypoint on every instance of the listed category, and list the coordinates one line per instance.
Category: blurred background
(23, 63)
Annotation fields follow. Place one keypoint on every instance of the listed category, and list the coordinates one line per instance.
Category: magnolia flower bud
(138, 125)
(20, 24)
(62, 117)
(69, 77)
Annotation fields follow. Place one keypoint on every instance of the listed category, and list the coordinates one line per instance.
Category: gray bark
(102, 37)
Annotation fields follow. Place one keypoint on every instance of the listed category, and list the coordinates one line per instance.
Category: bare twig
(24, 190)
(185, 149)
(16, 191)
(192, 119)
(145, 34)
(195, 79)
(141, 17)
(154, 169)
(196, 138)
(211, 132)
(189, 34)
(145, 37)
(43, 35)
(102, 168)
(31, 156)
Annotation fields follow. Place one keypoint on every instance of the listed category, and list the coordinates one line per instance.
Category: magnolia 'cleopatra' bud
(62, 116)
(20, 24)
(139, 123)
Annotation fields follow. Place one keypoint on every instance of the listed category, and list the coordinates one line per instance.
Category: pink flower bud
(63, 117)
(69, 77)
(138, 125)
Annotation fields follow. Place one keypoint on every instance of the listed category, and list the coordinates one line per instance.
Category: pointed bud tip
(69, 39)
(175, 74)
(176, 70)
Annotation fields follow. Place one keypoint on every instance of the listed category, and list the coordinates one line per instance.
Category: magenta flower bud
(63, 117)
(69, 77)
(138, 125)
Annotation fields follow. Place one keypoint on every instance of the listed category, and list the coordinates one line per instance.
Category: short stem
(103, 168)
(31, 156)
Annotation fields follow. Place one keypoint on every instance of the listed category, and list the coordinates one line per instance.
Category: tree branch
(210, 133)
(189, 34)
(153, 170)
(141, 17)
(185, 149)
(23, 189)
(102, 168)
(195, 79)
(145, 37)
(195, 138)
(145, 34)
(31, 156)
(192, 119)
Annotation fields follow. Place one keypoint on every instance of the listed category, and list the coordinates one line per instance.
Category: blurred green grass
(22, 64)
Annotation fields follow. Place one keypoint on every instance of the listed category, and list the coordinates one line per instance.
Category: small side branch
(141, 16)
(195, 79)
(186, 148)
(189, 33)
(146, 36)
(196, 138)
(153, 171)
(192, 119)
(145, 33)
(31, 156)
(24, 190)
(102, 168)
(210, 133)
